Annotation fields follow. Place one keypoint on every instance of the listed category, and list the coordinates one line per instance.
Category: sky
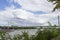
(37, 11)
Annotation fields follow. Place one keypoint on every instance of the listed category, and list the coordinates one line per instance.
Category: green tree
(57, 3)
(25, 36)
(17, 37)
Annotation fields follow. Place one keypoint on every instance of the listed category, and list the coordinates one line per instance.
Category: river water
(20, 31)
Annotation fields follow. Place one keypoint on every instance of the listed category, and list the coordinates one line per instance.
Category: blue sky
(7, 3)
(3, 4)
(39, 11)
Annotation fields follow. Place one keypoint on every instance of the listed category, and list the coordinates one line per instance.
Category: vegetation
(16, 27)
(57, 3)
(46, 34)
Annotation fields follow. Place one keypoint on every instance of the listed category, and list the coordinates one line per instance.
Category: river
(20, 31)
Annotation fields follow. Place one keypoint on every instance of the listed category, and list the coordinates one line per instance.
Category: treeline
(16, 27)
(25, 27)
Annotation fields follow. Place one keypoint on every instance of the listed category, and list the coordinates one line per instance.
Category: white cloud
(23, 13)
(42, 18)
(32, 5)
(35, 5)
(6, 14)
(45, 18)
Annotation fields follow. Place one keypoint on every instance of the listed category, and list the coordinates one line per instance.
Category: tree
(57, 3)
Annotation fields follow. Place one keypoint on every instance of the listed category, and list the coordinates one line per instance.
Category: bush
(46, 34)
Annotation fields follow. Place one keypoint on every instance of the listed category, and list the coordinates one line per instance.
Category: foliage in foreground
(46, 34)
(56, 3)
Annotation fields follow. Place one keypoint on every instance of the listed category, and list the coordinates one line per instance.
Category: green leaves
(17, 37)
(57, 3)
(25, 36)
(46, 34)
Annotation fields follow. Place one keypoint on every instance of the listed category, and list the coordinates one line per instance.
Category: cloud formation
(25, 11)
(35, 5)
